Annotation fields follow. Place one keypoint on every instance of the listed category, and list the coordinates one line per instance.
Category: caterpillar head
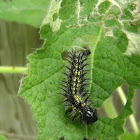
(90, 115)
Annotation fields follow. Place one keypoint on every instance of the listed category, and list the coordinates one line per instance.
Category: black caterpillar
(74, 88)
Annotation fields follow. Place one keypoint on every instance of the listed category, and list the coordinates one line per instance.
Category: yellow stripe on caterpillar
(77, 98)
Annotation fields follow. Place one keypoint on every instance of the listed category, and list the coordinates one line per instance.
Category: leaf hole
(136, 114)
(113, 106)
(65, 55)
(120, 97)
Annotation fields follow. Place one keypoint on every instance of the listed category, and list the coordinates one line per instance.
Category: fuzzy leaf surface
(130, 136)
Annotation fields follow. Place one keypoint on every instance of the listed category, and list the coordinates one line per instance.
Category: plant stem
(131, 118)
(6, 69)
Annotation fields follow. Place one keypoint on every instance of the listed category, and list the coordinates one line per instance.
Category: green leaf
(24, 11)
(2, 137)
(75, 24)
(129, 136)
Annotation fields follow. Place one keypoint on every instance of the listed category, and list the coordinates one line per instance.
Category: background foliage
(110, 29)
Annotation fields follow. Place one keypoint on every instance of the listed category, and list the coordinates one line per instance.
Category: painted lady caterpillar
(74, 88)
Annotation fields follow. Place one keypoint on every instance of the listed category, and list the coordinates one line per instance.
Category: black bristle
(86, 99)
(84, 94)
(85, 138)
(68, 68)
(61, 138)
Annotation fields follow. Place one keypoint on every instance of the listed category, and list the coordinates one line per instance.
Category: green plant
(2, 138)
(110, 30)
